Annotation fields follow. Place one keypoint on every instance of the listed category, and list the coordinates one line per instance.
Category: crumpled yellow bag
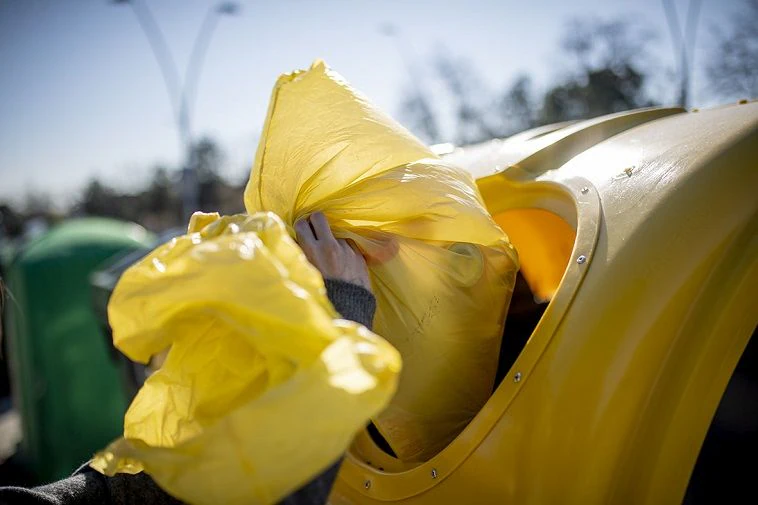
(442, 270)
(262, 387)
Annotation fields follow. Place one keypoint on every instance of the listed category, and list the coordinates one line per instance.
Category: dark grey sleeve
(356, 304)
(352, 301)
(77, 490)
(88, 487)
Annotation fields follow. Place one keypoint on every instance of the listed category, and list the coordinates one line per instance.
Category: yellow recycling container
(641, 228)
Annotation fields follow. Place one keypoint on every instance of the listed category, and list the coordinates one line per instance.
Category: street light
(684, 42)
(182, 94)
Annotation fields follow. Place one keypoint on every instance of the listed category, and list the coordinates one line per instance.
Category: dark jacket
(88, 487)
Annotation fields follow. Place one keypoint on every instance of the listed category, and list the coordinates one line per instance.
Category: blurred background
(137, 112)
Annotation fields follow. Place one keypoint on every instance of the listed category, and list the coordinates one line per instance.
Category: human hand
(335, 258)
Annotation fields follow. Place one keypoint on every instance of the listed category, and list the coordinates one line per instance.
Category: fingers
(304, 232)
(321, 227)
(334, 258)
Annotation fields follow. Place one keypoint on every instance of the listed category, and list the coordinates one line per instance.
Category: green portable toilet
(64, 382)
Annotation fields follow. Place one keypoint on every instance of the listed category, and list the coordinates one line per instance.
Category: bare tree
(517, 108)
(161, 195)
(419, 114)
(11, 224)
(477, 113)
(38, 204)
(207, 158)
(469, 99)
(609, 60)
(614, 44)
(733, 68)
(608, 68)
(98, 199)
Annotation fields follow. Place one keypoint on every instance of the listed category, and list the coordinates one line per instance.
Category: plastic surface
(65, 385)
(441, 269)
(263, 386)
(546, 240)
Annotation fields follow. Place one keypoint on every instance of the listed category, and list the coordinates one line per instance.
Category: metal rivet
(581, 259)
(517, 377)
(367, 484)
(585, 190)
(434, 473)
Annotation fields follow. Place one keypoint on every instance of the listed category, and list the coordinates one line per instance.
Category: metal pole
(685, 46)
(187, 104)
(693, 14)
(163, 56)
(182, 96)
(194, 67)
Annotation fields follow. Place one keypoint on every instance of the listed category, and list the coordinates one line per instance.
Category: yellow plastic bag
(262, 387)
(441, 269)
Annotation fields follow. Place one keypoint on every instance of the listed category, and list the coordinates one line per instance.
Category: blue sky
(81, 95)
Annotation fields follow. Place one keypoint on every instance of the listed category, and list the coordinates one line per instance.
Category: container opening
(544, 242)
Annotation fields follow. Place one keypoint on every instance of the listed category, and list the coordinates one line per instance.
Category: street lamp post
(182, 93)
(684, 44)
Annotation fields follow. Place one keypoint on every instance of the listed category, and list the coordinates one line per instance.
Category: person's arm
(88, 487)
(349, 290)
